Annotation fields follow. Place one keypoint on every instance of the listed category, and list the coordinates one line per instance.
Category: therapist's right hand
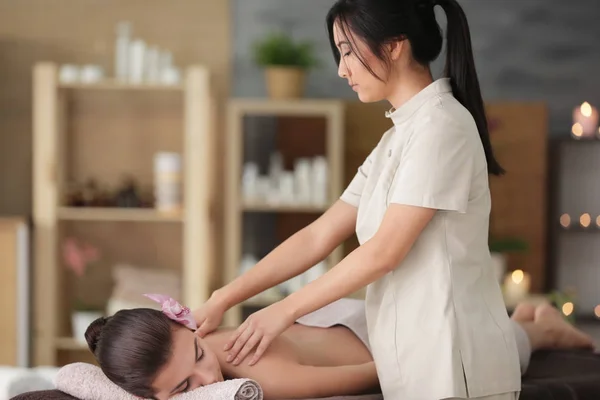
(209, 316)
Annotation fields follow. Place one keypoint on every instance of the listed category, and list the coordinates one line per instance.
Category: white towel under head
(88, 382)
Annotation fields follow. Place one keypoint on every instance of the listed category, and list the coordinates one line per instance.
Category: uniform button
(389, 152)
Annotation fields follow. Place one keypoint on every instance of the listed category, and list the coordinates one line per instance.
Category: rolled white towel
(88, 382)
(16, 381)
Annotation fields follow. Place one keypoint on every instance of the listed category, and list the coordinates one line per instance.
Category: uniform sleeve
(436, 168)
(354, 190)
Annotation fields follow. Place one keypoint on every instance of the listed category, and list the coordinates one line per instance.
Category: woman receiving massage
(158, 354)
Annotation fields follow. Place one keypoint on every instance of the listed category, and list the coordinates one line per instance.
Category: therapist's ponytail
(460, 68)
(379, 22)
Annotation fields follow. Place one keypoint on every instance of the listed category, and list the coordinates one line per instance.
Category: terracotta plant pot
(285, 82)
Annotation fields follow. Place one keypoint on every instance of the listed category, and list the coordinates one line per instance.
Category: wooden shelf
(64, 149)
(67, 343)
(291, 107)
(117, 214)
(324, 119)
(111, 84)
(291, 208)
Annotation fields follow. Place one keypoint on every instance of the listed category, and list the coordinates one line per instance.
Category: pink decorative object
(78, 256)
(585, 120)
(172, 309)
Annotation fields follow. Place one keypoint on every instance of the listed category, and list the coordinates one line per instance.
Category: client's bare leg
(547, 329)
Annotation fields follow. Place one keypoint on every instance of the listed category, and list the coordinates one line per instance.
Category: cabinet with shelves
(573, 253)
(296, 132)
(110, 131)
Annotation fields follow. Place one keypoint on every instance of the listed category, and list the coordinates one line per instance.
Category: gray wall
(524, 49)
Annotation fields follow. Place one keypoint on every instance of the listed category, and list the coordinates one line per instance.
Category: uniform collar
(407, 109)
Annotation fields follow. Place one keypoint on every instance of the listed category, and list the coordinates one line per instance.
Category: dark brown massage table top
(552, 375)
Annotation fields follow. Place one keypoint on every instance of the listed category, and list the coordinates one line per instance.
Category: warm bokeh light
(597, 311)
(517, 276)
(567, 308)
(577, 129)
(585, 220)
(586, 109)
(565, 220)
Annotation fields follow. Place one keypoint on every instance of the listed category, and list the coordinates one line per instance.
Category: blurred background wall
(83, 31)
(524, 50)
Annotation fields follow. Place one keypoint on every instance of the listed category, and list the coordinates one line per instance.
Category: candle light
(567, 308)
(565, 220)
(585, 120)
(516, 286)
(585, 220)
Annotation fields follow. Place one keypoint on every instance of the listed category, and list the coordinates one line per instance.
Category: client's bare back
(335, 346)
(305, 362)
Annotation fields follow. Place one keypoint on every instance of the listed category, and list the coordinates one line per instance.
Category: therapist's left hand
(260, 329)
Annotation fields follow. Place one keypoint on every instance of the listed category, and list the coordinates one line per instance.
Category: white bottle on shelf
(274, 175)
(167, 182)
(250, 182)
(320, 181)
(123, 31)
(286, 188)
(302, 180)
(151, 65)
(137, 50)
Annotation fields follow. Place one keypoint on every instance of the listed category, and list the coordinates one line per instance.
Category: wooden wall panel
(83, 31)
(519, 199)
(365, 124)
(12, 336)
(519, 134)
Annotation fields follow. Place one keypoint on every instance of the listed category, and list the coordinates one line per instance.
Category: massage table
(552, 375)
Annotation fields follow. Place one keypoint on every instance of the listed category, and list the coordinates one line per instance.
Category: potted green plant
(499, 248)
(285, 63)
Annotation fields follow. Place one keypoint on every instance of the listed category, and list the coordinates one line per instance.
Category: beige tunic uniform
(437, 324)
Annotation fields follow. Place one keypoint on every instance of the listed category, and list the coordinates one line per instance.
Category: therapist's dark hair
(377, 22)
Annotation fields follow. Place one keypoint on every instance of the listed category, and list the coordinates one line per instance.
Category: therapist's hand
(209, 316)
(259, 329)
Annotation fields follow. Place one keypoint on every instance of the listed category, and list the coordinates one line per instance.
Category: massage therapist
(419, 205)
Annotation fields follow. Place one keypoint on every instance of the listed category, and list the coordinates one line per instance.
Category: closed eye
(199, 356)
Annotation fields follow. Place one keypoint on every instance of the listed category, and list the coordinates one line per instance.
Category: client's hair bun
(93, 332)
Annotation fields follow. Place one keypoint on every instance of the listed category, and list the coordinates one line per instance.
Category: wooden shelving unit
(266, 207)
(105, 130)
(305, 128)
(110, 84)
(116, 214)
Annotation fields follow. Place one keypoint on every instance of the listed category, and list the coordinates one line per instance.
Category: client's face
(192, 364)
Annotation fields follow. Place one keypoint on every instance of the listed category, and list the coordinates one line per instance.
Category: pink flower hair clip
(175, 311)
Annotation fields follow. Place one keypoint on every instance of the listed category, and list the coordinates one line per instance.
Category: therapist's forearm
(364, 265)
(294, 256)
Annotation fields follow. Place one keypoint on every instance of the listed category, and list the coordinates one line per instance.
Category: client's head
(151, 356)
